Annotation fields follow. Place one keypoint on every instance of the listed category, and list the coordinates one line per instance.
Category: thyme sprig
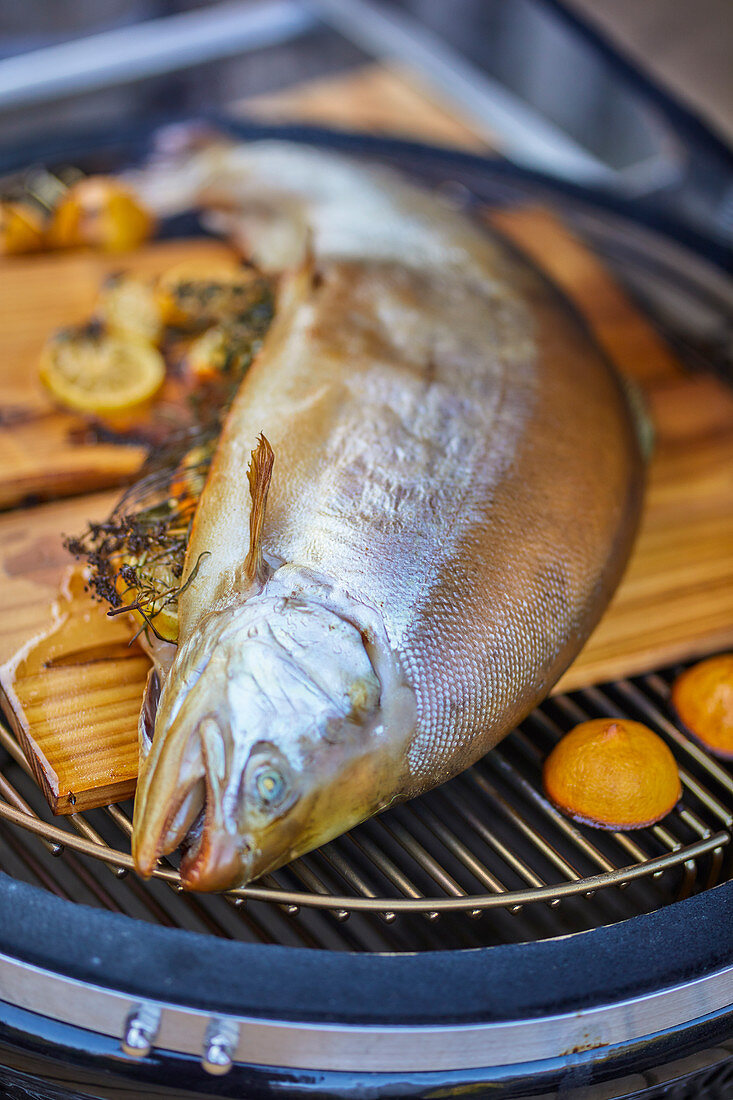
(136, 557)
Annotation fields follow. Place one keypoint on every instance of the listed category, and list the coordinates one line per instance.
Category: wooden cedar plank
(77, 719)
(72, 695)
(45, 452)
(675, 601)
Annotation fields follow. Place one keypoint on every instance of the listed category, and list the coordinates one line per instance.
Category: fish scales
(456, 485)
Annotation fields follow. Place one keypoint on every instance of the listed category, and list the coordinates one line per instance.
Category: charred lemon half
(703, 699)
(612, 773)
(91, 370)
(21, 228)
(100, 212)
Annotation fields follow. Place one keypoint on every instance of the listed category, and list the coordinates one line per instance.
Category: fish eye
(270, 785)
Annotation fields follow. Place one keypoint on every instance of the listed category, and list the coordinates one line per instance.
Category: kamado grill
(472, 942)
(473, 928)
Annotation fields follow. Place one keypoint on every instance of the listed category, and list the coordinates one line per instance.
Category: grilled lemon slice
(127, 306)
(92, 370)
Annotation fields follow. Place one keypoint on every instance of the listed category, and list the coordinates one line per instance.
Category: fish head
(268, 741)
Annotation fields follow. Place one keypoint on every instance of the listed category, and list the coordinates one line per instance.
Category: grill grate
(423, 874)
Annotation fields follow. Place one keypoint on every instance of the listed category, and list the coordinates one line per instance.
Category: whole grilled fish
(455, 488)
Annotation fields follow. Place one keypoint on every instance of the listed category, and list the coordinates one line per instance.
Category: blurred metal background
(525, 71)
(632, 102)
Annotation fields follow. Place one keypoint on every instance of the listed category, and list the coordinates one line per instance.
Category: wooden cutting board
(45, 452)
(675, 602)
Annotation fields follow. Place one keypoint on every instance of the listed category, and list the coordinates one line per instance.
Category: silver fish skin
(456, 486)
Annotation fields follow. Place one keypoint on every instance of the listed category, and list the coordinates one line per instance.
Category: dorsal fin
(259, 474)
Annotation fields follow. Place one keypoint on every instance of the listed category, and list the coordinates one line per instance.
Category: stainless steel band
(221, 1040)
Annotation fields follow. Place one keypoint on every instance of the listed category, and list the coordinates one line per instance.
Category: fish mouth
(170, 797)
(182, 799)
(216, 860)
(213, 859)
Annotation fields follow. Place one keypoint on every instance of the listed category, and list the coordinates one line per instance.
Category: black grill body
(63, 1063)
(679, 949)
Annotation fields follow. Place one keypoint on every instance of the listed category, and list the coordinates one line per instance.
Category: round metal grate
(487, 840)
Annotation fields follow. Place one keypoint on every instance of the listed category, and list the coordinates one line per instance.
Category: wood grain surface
(675, 601)
(73, 698)
(45, 452)
(71, 685)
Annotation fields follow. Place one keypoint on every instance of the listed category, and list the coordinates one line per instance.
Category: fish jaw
(166, 820)
(269, 740)
(170, 789)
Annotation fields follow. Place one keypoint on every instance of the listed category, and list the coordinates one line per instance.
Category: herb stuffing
(136, 557)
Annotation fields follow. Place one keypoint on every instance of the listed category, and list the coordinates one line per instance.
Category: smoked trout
(424, 494)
